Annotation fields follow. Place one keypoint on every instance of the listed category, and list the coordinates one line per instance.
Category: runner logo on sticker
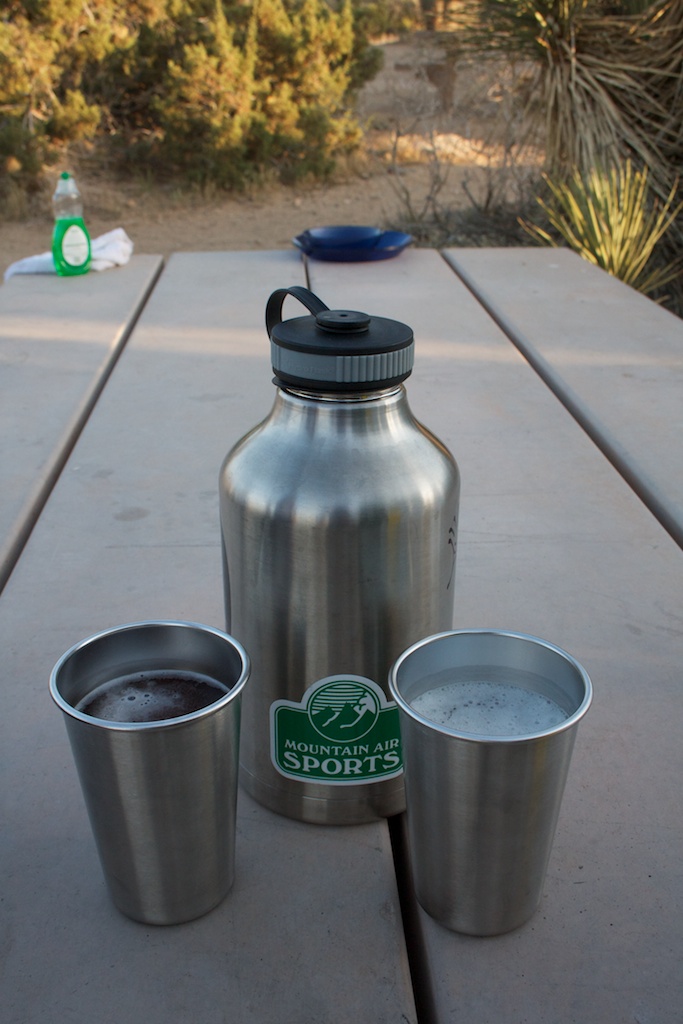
(344, 732)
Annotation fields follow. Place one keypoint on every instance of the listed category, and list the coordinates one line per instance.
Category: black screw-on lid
(336, 349)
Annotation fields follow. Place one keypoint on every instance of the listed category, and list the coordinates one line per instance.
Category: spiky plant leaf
(611, 219)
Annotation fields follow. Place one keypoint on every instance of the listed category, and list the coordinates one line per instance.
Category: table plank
(59, 338)
(553, 542)
(311, 933)
(612, 356)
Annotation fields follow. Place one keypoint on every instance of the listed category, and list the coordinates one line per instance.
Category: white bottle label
(75, 246)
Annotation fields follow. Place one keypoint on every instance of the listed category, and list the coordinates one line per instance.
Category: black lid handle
(276, 301)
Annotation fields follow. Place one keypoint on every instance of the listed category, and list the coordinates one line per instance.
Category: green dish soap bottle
(70, 239)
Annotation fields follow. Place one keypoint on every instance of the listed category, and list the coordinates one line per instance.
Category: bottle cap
(336, 350)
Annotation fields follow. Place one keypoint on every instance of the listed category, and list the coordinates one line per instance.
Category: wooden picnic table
(553, 541)
(59, 339)
(615, 363)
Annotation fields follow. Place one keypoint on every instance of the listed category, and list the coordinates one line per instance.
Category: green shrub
(387, 17)
(73, 118)
(215, 90)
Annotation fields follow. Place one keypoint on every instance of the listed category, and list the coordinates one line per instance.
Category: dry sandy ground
(163, 224)
(418, 110)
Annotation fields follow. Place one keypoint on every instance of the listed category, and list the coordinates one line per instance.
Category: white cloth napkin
(113, 249)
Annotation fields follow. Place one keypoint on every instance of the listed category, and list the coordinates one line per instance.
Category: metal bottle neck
(348, 397)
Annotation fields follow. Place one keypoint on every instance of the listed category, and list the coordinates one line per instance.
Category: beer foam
(486, 708)
(151, 696)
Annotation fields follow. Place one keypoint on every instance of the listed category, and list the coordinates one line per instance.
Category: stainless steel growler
(339, 519)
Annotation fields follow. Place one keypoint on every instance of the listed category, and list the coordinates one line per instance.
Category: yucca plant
(612, 220)
(611, 86)
(608, 75)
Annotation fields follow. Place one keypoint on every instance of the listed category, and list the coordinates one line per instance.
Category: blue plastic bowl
(389, 243)
(352, 236)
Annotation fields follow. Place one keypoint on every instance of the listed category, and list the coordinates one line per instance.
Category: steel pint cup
(488, 722)
(152, 711)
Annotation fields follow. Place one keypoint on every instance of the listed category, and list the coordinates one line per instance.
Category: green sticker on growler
(344, 732)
